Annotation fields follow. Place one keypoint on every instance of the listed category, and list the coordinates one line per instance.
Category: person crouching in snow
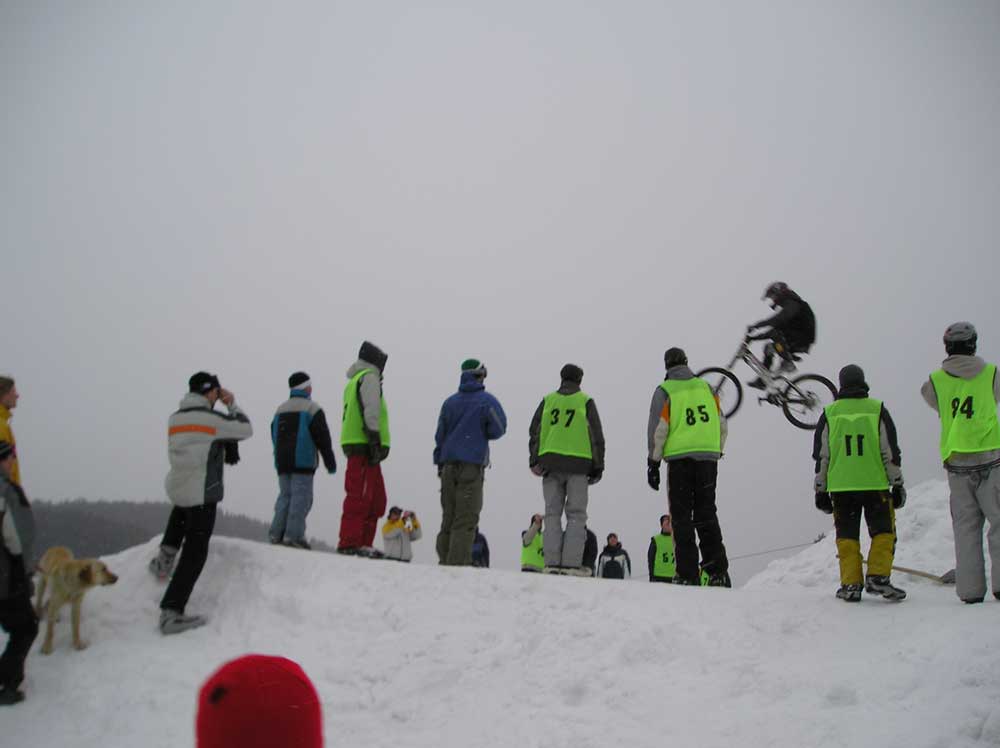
(399, 531)
(857, 461)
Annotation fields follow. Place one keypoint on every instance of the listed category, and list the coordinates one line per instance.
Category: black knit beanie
(297, 380)
(571, 373)
(674, 357)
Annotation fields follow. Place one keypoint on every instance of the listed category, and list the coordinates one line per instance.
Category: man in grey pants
(965, 392)
(566, 446)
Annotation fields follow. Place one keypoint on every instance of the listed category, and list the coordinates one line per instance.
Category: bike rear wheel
(804, 399)
(725, 386)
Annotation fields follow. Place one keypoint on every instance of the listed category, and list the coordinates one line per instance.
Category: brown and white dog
(69, 579)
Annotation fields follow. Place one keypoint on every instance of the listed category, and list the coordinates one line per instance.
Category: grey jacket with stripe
(195, 445)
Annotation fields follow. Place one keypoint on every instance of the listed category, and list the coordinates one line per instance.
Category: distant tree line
(100, 528)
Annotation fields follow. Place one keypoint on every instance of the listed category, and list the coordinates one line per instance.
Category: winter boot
(757, 384)
(163, 564)
(879, 585)
(850, 593)
(972, 600)
(687, 582)
(578, 571)
(367, 551)
(720, 580)
(10, 696)
(553, 570)
(298, 544)
(174, 622)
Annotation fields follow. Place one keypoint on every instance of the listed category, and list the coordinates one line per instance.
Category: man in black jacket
(17, 616)
(792, 330)
(300, 436)
(614, 563)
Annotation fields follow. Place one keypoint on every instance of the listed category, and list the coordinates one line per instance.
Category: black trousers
(190, 529)
(691, 494)
(18, 619)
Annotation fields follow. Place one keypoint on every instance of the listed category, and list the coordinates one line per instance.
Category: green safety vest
(664, 565)
(855, 446)
(352, 429)
(565, 430)
(531, 554)
(694, 418)
(968, 412)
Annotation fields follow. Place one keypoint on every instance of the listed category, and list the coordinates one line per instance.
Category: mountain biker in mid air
(791, 331)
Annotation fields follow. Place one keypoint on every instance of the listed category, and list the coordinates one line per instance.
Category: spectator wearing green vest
(532, 554)
(364, 437)
(965, 392)
(858, 470)
(660, 556)
(566, 448)
(687, 429)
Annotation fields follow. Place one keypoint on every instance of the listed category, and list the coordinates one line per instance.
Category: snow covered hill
(406, 655)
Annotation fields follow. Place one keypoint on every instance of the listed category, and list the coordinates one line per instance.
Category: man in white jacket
(200, 439)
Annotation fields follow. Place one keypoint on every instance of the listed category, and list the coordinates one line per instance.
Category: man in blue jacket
(300, 436)
(469, 420)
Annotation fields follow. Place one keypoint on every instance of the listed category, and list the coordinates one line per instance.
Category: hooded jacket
(396, 538)
(888, 444)
(966, 367)
(370, 399)
(196, 436)
(658, 426)
(564, 463)
(469, 419)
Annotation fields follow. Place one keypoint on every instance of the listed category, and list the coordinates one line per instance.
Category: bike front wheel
(725, 386)
(805, 398)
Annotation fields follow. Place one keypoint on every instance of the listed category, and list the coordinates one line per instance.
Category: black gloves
(232, 455)
(374, 447)
(823, 502)
(653, 474)
(594, 476)
(898, 494)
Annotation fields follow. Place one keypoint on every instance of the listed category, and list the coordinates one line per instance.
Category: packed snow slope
(406, 655)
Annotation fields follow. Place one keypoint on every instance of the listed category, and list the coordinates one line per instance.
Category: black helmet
(776, 291)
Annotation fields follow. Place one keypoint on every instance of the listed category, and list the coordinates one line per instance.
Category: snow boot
(972, 600)
(850, 593)
(162, 566)
(553, 570)
(720, 580)
(11, 696)
(298, 544)
(879, 585)
(174, 622)
(366, 551)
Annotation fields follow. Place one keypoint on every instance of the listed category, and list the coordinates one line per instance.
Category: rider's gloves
(823, 502)
(653, 474)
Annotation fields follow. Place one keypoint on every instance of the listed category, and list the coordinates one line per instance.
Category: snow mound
(923, 542)
(408, 655)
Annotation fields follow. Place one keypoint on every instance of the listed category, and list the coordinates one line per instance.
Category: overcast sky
(255, 188)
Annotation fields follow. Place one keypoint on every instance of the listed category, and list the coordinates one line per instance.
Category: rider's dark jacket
(794, 321)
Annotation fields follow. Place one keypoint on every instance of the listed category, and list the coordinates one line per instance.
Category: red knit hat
(257, 701)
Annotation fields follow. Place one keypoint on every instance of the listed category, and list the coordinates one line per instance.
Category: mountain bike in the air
(801, 398)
